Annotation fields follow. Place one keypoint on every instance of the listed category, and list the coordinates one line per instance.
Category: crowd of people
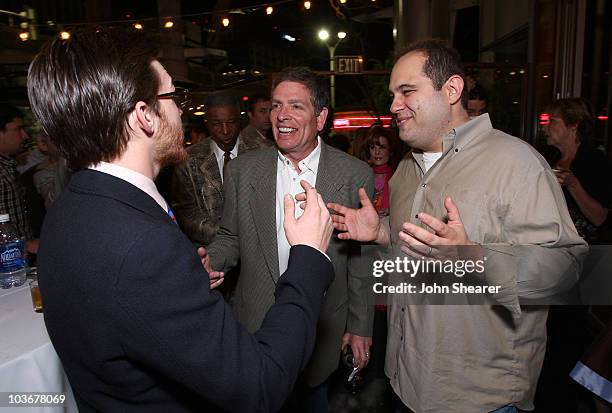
(228, 290)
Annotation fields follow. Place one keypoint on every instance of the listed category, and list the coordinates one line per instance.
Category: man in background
(256, 132)
(197, 184)
(12, 193)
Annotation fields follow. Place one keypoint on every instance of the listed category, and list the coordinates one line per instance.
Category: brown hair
(82, 90)
(372, 137)
(442, 62)
(319, 95)
(8, 114)
(574, 112)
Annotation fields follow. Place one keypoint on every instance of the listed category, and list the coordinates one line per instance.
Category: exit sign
(348, 64)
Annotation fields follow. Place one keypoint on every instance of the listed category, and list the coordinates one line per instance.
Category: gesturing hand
(314, 227)
(419, 242)
(216, 278)
(361, 224)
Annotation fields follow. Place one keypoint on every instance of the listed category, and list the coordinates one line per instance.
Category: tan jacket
(251, 136)
(477, 358)
(197, 192)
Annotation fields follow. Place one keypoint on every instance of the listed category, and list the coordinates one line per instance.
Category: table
(28, 361)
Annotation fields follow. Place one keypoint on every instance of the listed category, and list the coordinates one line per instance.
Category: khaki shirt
(481, 357)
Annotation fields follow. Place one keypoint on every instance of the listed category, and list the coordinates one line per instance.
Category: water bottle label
(12, 256)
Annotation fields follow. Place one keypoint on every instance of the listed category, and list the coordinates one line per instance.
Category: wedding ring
(429, 251)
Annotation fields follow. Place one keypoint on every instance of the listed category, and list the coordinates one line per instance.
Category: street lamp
(324, 36)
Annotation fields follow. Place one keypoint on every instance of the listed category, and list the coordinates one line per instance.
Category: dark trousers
(305, 399)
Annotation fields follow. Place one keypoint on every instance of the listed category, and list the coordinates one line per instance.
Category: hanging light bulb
(225, 22)
(342, 1)
(307, 5)
(138, 26)
(169, 24)
(24, 36)
(269, 10)
(64, 35)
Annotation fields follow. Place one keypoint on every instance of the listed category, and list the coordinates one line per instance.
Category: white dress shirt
(288, 182)
(220, 152)
(140, 181)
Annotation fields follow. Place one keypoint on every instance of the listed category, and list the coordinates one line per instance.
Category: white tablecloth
(28, 361)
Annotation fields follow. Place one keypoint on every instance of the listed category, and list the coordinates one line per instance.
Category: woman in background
(583, 171)
(382, 149)
(584, 174)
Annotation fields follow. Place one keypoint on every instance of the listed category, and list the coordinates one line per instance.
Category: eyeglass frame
(180, 96)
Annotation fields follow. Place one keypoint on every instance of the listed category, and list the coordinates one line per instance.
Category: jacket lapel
(210, 170)
(263, 207)
(328, 183)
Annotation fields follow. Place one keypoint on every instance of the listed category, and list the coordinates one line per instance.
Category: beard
(169, 149)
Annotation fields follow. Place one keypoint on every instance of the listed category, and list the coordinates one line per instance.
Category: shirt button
(402, 309)
(424, 185)
(456, 150)
(401, 338)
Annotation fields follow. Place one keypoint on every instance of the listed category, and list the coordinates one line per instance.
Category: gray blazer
(247, 234)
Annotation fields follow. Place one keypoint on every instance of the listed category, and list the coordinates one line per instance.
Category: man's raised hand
(314, 227)
(361, 224)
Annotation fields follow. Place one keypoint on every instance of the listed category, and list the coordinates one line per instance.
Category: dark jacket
(129, 310)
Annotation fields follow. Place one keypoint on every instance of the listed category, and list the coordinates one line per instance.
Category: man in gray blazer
(251, 230)
(197, 185)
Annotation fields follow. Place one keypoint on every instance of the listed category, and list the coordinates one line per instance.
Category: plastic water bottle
(12, 258)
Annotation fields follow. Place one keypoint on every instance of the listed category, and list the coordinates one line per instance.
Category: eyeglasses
(180, 96)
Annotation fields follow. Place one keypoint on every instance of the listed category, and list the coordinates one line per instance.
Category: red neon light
(544, 119)
(354, 122)
(602, 118)
(339, 123)
(359, 126)
(367, 118)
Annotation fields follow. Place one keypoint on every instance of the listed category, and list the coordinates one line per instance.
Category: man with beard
(466, 192)
(128, 306)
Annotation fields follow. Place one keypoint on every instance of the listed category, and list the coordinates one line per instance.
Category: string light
(24, 36)
(168, 23)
